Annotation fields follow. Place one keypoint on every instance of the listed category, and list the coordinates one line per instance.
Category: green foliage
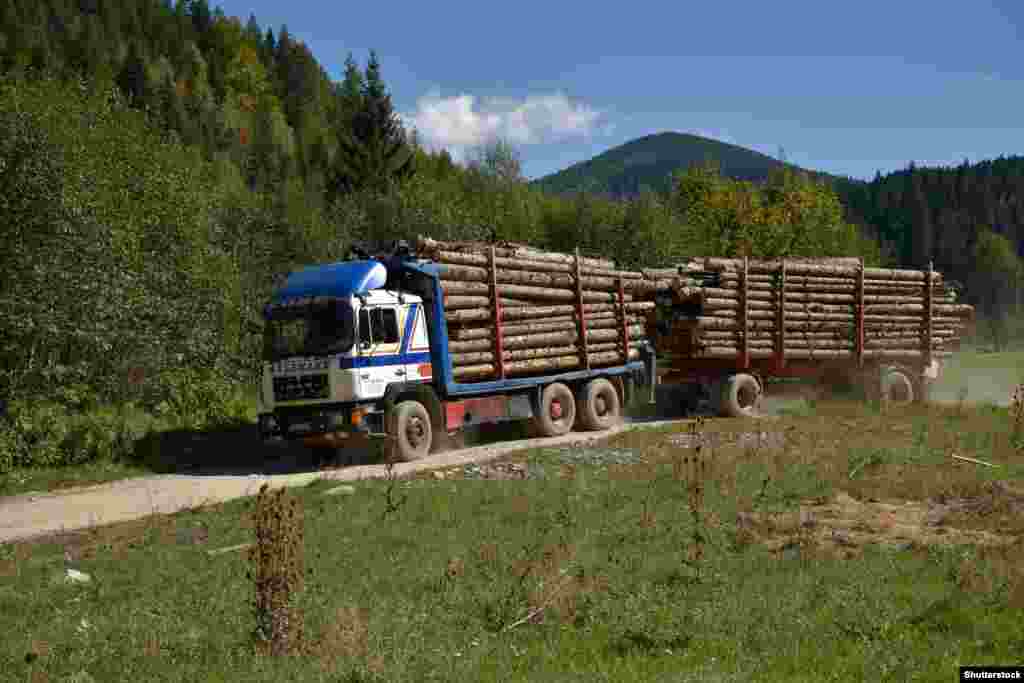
(374, 153)
(793, 215)
(109, 225)
(197, 399)
(998, 272)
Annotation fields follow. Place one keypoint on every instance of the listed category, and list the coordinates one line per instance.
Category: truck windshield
(328, 328)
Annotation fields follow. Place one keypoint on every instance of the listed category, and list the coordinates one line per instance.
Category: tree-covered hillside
(650, 161)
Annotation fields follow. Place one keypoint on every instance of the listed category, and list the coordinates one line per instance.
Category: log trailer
(364, 348)
(730, 325)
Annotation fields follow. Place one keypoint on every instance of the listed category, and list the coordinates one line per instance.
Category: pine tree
(373, 152)
(252, 30)
(374, 88)
(269, 42)
(132, 77)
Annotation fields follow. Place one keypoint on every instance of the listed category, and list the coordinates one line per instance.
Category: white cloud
(464, 121)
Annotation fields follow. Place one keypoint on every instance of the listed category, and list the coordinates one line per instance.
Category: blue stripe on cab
(410, 319)
(380, 361)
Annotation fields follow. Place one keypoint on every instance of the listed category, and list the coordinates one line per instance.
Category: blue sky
(847, 88)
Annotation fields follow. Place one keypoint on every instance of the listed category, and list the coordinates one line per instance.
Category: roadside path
(35, 514)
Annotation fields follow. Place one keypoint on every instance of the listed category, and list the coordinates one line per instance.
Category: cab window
(378, 326)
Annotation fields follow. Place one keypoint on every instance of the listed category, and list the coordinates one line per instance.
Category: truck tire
(557, 411)
(740, 395)
(897, 386)
(598, 406)
(413, 434)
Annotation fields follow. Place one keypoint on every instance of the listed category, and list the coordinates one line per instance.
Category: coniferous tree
(132, 77)
(374, 153)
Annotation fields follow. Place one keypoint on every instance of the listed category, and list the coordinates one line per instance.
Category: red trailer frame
(858, 369)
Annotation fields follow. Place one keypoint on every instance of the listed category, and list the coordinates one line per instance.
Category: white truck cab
(333, 346)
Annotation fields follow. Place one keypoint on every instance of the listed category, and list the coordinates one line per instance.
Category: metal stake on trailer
(744, 346)
(579, 312)
(860, 315)
(926, 349)
(780, 321)
(622, 320)
(499, 345)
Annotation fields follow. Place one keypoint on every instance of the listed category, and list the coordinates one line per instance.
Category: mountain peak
(650, 160)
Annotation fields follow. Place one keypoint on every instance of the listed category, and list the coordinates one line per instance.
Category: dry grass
(277, 571)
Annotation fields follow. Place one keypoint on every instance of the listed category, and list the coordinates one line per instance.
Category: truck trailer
(730, 325)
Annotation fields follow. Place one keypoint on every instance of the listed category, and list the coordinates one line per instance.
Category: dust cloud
(974, 378)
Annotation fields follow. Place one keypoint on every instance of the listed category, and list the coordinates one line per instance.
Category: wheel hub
(414, 431)
(556, 410)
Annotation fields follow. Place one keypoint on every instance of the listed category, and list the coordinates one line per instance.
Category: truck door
(379, 344)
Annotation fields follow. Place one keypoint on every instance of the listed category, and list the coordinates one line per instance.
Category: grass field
(843, 544)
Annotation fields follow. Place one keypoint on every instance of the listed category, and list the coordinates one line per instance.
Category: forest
(163, 165)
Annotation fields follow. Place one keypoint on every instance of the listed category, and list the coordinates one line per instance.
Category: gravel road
(36, 514)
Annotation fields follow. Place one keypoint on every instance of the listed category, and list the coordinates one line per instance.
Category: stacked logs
(512, 310)
(812, 309)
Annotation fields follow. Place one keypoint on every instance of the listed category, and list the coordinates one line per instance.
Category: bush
(198, 399)
(51, 434)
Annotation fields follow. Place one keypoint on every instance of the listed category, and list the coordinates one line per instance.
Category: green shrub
(197, 399)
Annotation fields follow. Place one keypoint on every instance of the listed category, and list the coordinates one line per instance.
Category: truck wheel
(740, 396)
(598, 406)
(413, 434)
(897, 386)
(557, 411)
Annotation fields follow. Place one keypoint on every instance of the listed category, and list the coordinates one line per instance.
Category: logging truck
(426, 339)
(376, 347)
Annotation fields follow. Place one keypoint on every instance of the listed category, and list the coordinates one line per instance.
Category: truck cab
(335, 339)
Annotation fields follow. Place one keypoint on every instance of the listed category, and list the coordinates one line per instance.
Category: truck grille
(301, 387)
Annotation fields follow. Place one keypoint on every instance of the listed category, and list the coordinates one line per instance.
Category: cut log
(428, 246)
(460, 258)
(757, 314)
(877, 354)
(763, 320)
(456, 287)
(812, 268)
(791, 342)
(542, 294)
(526, 341)
(452, 303)
(466, 334)
(537, 365)
(715, 303)
(477, 357)
(732, 279)
(834, 334)
(810, 295)
(757, 265)
(456, 273)
(542, 311)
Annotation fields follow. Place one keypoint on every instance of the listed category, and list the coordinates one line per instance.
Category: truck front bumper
(316, 423)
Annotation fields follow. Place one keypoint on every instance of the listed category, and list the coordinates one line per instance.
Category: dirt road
(30, 515)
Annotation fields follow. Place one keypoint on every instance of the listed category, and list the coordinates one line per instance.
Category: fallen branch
(532, 614)
(976, 462)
